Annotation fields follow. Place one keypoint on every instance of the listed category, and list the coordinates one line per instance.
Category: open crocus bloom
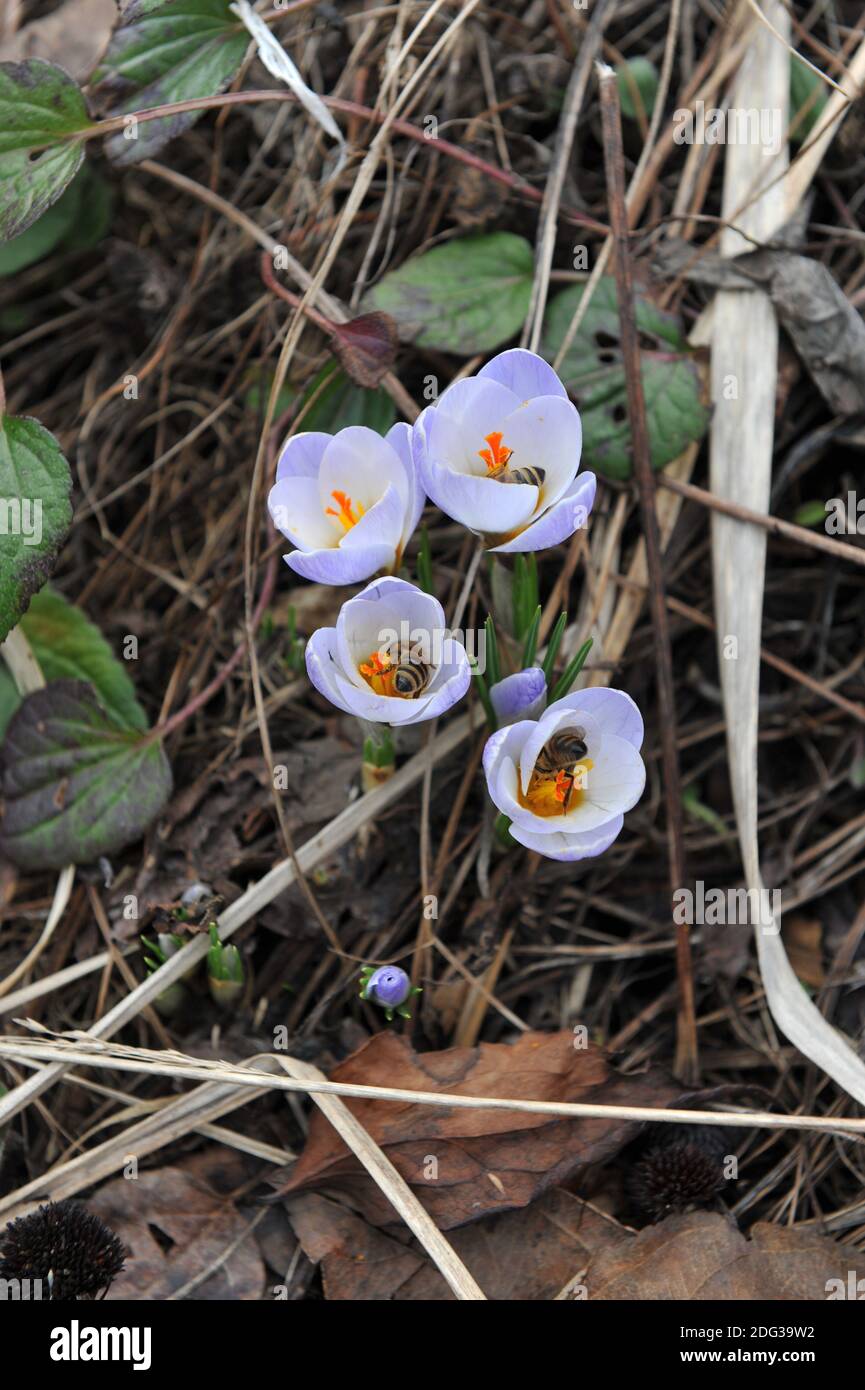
(500, 451)
(390, 657)
(566, 779)
(348, 501)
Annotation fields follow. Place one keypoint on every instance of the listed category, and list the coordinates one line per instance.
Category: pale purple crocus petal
(340, 566)
(568, 848)
(505, 743)
(565, 517)
(322, 668)
(388, 986)
(518, 395)
(301, 455)
(546, 433)
(478, 407)
(293, 503)
(399, 439)
(520, 696)
(388, 613)
(615, 777)
(523, 373)
(613, 711)
(480, 504)
(349, 502)
(381, 525)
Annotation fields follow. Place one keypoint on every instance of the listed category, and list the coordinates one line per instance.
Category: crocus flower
(348, 501)
(390, 658)
(499, 452)
(521, 696)
(388, 986)
(566, 779)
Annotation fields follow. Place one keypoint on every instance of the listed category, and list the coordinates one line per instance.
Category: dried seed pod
(64, 1246)
(678, 1173)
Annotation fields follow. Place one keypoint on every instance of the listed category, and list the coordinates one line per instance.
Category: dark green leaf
(78, 220)
(808, 95)
(166, 51)
(639, 73)
(35, 512)
(468, 296)
(593, 372)
(570, 673)
(76, 786)
(39, 105)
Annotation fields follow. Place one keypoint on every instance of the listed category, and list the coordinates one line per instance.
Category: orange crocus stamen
(563, 785)
(346, 510)
(497, 455)
(377, 671)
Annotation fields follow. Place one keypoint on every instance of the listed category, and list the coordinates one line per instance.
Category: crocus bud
(521, 696)
(225, 974)
(389, 987)
(166, 945)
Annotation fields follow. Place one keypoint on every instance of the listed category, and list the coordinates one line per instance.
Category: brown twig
(686, 1040)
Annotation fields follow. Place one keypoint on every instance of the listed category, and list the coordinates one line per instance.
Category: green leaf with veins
(35, 512)
(40, 105)
(594, 374)
(166, 51)
(75, 784)
(469, 296)
(68, 646)
(77, 221)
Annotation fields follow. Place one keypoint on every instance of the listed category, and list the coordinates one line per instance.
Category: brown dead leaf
(73, 35)
(520, 1256)
(174, 1227)
(702, 1255)
(464, 1164)
(803, 938)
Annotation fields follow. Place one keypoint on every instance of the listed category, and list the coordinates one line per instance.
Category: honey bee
(561, 753)
(560, 759)
(411, 678)
(533, 476)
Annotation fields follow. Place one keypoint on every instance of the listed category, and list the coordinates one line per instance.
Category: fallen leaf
(803, 938)
(174, 1227)
(519, 1256)
(467, 1163)
(73, 35)
(702, 1255)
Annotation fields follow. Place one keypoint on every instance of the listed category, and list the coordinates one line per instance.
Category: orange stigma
(346, 512)
(563, 785)
(497, 455)
(548, 796)
(377, 671)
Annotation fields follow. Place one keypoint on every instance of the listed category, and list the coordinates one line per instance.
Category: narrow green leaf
(39, 106)
(808, 96)
(484, 693)
(637, 79)
(570, 673)
(494, 667)
(75, 785)
(468, 296)
(35, 512)
(553, 647)
(424, 563)
(166, 51)
(531, 645)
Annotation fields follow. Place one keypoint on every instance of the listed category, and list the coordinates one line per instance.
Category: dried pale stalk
(744, 351)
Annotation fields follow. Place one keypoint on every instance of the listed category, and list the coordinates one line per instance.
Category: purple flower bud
(388, 986)
(521, 696)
